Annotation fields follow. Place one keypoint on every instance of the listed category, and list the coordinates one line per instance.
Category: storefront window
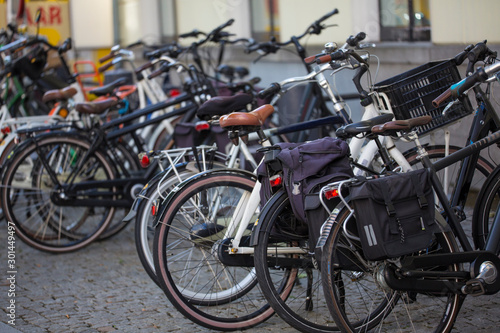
(404, 20)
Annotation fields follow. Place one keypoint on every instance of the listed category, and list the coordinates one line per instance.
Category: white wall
(464, 21)
(92, 23)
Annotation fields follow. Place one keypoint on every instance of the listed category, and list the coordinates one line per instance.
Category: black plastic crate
(411, 94)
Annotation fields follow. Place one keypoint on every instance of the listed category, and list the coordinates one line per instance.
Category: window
(404, 20)
(265, 21)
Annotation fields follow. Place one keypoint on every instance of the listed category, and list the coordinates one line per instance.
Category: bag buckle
(422, 202)
(390, 209)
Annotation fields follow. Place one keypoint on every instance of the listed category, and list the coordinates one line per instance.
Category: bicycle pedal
(474, 287)
(459, 213)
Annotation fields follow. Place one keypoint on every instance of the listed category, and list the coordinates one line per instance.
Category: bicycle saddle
(221, 105)
(254, 118)
(364, 126)
(59, 94)
(97, 107)
(391, 127)
(109, 88)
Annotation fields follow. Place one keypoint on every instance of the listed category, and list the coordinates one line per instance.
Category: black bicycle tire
(337, 308)
(483, 210)
(11, 166)
(281, 301)
(117, 225)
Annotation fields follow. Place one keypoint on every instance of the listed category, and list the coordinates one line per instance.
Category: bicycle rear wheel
(29, 190)
(359, 298)
(188, 245)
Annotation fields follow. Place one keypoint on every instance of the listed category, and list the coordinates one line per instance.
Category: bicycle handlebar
(272, 89)
(328, 15)
(195, 33)
(457, 89)
(272, 46)
(354, 40)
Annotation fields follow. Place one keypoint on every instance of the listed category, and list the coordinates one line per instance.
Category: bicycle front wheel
(37, 173)
(486, 209)
(286, 270)
(190, 248)
(359, 298)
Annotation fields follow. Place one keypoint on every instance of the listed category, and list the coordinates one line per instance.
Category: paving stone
(104, 288)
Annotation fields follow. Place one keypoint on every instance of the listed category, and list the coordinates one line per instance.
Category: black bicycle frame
(468, 151)
(485, 121)
(102, 138)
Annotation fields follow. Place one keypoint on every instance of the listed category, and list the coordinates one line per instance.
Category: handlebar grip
(193, 33)
(477, 53)
(105, 67)
(459, 58)
(337, 55)
(220, 27)
(269, 91)
(459, 88)
(66, 46)
(324, 59)
(441, 98)
(160, 70)
(354, 40)
(143, 67)
(139, 42)
(107, 57)
(312, 59)
(324, 17)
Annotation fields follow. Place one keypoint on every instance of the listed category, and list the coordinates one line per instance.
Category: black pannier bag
(394, 214)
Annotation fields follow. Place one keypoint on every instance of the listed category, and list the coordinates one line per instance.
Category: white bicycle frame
(248, 204)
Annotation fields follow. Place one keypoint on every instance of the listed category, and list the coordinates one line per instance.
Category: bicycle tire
(27, 194)
(486, 209)
(358, 298)
(130, 161)
(302, 303)
(157, 189)
(210, 293)
(144, 230)
(483, 166)
(483, 169)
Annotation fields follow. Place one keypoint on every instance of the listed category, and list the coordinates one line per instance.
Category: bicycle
(297, 311)
(236, 247)
(97, 191)
(433, 281)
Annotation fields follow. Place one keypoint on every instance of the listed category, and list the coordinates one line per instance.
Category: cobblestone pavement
(104, 288)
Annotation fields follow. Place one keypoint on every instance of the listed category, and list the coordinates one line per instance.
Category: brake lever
(447, 108)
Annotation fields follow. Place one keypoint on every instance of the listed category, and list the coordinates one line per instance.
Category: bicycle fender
(328, 225)
(254, 236)
(165, 203)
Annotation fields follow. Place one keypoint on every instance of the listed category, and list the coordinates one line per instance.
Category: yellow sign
(54, 19)
(3, 14)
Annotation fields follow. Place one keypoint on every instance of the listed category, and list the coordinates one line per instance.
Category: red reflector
(145, 161)
(174, 92)
(153, 210)
(331, 194)
(202, 126)
(275, 180)
(5, 129)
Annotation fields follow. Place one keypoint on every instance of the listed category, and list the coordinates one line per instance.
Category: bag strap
(422, 200)
(391, 211)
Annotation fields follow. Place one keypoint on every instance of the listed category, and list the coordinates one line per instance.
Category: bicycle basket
(411, 94)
